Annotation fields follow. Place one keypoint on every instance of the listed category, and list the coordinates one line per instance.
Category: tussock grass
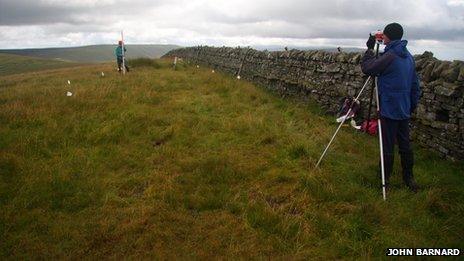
(190, 164)
(144, 62)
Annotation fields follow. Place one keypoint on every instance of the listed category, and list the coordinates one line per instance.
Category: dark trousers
(119, 60)
(397, 131)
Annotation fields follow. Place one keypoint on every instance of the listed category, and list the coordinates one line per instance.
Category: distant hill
(12, 64)
(93, 53)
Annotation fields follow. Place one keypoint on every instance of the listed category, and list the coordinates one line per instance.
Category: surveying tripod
(379, 122)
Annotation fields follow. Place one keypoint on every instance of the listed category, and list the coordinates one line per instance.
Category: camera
(378, 36)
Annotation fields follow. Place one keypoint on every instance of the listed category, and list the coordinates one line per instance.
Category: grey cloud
(34, 12)
(341, 19)
(190, 20)
(24, 12)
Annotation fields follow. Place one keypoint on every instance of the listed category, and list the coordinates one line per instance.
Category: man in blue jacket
(399, 93)
(119, 56)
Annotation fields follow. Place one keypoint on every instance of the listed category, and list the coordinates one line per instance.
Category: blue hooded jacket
(118, 51)
(398, 84)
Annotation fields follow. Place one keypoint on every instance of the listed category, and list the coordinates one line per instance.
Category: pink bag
(372, 129)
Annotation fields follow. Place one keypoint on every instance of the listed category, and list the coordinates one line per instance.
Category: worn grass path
(190, 164)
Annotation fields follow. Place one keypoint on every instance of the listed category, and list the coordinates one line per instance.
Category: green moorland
(191, 164)
(93, 53)
(16, 64)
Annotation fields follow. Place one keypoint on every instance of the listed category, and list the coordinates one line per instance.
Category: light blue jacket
(118, 51)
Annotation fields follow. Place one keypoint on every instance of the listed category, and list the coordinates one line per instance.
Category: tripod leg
(341, 123)
(370, 107)
(382, 163)
(372, 93)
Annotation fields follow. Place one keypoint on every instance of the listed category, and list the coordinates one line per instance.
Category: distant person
(399, 93)
(119, 57)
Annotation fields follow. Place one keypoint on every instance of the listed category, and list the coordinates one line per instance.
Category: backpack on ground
(370, 127)
(346, 104)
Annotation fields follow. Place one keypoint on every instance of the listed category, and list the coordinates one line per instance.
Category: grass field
(17, 64)
(191, 164)
(93, 53)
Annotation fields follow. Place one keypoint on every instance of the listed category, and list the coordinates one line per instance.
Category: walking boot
(412, 185)
(407, 162)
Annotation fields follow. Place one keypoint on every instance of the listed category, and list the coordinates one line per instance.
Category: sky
(433, 25)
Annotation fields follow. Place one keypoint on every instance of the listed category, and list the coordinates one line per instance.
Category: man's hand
(370, 42)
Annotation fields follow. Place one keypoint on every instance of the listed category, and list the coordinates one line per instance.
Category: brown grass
(190, 164)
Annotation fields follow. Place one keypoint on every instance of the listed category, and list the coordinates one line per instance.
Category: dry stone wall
(327, 77)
